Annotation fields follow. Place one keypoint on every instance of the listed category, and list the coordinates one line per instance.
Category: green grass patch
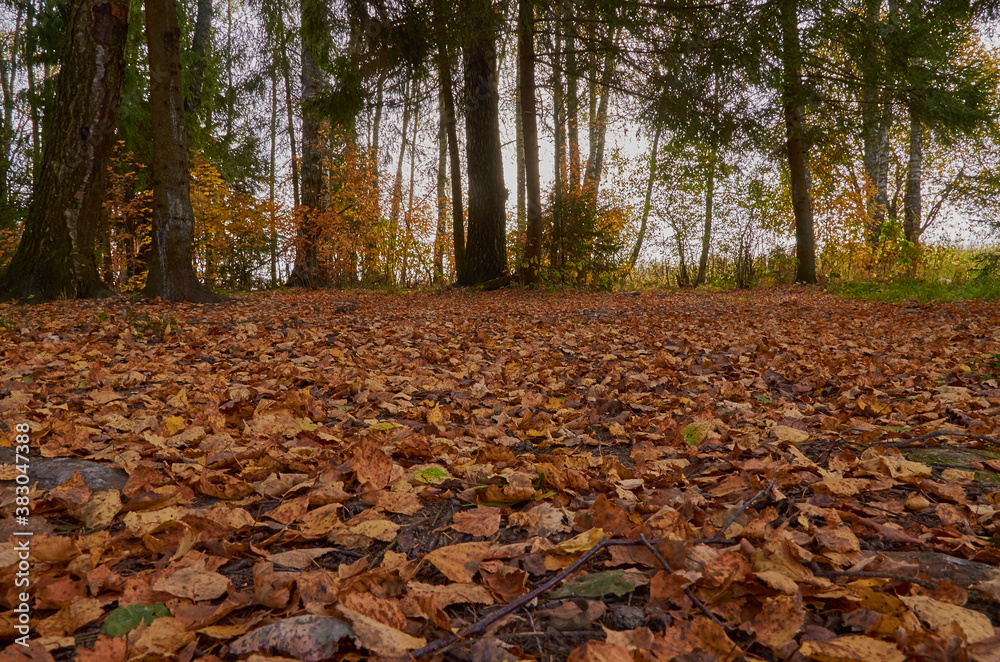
(909, 290)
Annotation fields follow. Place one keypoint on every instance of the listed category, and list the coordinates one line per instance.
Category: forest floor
(656, 476)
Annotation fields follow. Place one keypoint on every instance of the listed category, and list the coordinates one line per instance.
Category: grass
(908, 290)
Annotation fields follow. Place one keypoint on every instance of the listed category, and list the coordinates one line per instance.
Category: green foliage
(908, 289)
(583, 241)
(988, 266)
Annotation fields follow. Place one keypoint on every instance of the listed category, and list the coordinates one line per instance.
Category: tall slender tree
(529, 127)
(796, 144)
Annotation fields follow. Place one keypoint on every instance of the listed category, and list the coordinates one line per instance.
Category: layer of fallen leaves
(310, 478)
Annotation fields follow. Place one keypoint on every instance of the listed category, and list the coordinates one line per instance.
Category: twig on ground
(687, 589)
(479, 628)
(829, 574)
(944, 433)
(720, 532)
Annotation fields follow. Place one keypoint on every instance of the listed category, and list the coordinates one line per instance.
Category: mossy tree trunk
(55, 258)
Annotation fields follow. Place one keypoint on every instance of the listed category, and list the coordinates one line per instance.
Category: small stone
(624, 617)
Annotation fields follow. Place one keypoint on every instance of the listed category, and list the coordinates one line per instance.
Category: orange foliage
(236, 235)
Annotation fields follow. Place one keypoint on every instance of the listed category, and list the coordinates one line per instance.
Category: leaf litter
(779, 475)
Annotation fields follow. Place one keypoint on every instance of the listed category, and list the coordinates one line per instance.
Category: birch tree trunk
(55, 258)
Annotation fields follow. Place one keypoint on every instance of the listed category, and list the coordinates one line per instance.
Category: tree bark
(529, 124)
(271, 176)
(171, 272)
(397, 188)
(8, 76)
(914, 168)
(599, 129)
(454, 158)
(55, 258)
(706, 236)
(486, 249)
(308, 271)
(408, 217)
(559, 140)
(572, 108)
(442, 191)
(796, 146)
(522, 202)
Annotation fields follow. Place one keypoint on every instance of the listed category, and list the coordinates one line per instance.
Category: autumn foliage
(778, 476)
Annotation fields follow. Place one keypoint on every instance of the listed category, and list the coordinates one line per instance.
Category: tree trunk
(271, 176)
(454, 158)
(408, 218)
(912, 200)
(8, 76)
(308, 271)
(522, 203)
(559, 164)
(397, 189)
(486, 249)
(793, 93)
(200, 42)
(33, 97)
(442, 191)
(55, 257)
(290, 112)
(529, 124)
(572, 108)
(706, 236)
(171, 272)
(599, 129)
(646, 205)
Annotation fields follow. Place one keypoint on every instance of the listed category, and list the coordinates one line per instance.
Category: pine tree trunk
(171, 271)
(912, 199)
(56, 258)
(486, 249)
(792, 93)
(529, 124)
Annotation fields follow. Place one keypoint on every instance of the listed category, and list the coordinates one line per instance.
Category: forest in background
(363, 143)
